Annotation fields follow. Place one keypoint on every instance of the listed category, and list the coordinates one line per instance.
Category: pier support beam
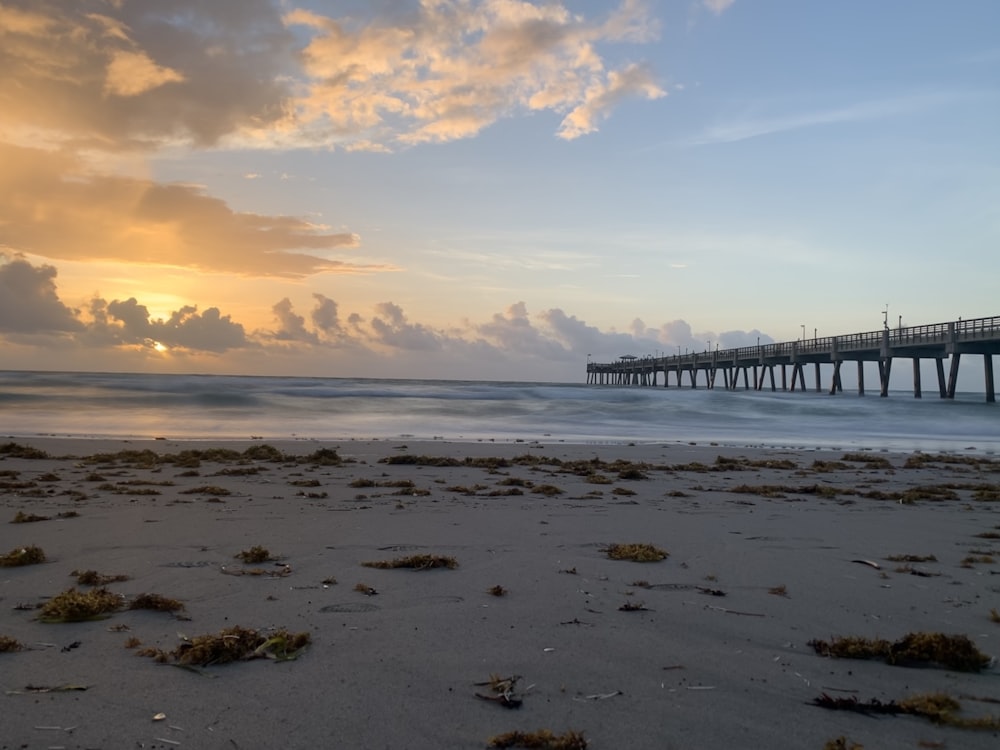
(991, 395)
(861, 378)
(939, 364)
(819, 385)
(953, 374)
(835, 380)
(916, 378)
(884, 370)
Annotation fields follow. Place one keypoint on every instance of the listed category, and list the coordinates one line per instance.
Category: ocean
(136, 406)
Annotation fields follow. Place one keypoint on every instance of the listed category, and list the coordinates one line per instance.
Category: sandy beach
(768, 550)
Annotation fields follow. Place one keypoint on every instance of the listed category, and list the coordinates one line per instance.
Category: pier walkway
(755, 365)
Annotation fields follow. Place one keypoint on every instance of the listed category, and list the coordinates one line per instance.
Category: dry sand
(398, 669)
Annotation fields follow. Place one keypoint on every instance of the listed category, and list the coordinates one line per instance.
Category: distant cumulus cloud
(79, 216)
(718, 7)
(30, 307)
(132, 75)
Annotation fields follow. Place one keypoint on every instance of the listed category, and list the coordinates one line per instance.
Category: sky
(486, 189)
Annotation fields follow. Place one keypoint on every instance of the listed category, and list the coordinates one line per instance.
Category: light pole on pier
(803, 331)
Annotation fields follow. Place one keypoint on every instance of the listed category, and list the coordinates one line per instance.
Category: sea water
(243, 407)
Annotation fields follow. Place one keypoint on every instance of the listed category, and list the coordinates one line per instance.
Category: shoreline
(764, 548)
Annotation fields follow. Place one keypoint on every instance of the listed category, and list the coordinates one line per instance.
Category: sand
(711, 652)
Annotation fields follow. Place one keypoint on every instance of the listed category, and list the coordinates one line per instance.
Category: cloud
(452, 68)
(551, 341)
(50, 206)
(127, 323)
(753, 126)
(29, 302)
(127, 75)
(718, 7)
(130, 74)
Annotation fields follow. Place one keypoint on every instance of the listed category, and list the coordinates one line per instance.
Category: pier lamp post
(803, 331)
(708, 346)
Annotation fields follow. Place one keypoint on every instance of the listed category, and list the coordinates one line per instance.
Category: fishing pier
(755, 365)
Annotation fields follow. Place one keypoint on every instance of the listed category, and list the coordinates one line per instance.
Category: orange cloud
(50, 207)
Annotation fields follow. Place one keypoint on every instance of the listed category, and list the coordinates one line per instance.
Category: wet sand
(710, 651)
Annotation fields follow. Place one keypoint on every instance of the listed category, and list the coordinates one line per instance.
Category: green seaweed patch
(870, 462)
(255, 555)
(549, 490)
(825, 467)
(956, 652)
(971, 560)
(79, 606)
(415, 562)
(911, 558)
(842, 743)
(542, 739)
(15, 450)
(725, 463)
(9, 645)
(636, 552)
(940, 708)
(920, 460)
(22, 517)
(233, 644)
(156, 603)
(323, 457)
(207, 489)
(18, 556)
(93, 578)
(780, 490)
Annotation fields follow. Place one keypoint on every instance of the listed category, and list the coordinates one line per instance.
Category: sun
(160, 347)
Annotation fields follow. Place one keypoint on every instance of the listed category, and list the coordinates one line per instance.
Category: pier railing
(934, 341)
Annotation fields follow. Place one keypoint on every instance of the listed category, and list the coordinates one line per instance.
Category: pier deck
(755, 365)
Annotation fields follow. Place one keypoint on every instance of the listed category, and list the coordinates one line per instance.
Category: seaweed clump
(956, 652)
(543, 739)
(77, 606)
(255, 554)
(940, 708)
(93, 578)
(22, 556)
(233, 644)
(416, 562)
(8, 644)
(636, 552)
(157, 603)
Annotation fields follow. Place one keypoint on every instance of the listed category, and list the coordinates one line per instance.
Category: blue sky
(487, 189)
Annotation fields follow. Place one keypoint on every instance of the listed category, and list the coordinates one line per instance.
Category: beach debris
(28, 689)
(71, 646)
(329, 581)
(710, 591)
(634, 607)
(971, 560)
(995, 615)
(232, 644)
(549, 490)
(543, 739)
(956, 652)
(780, 590)
(869, 563)
(842, 743)
(599, 696)
(636, 552)
(15, 450)
(78, 606)
(255, 555)
(569, 571)
(132, 642)
(9, 645)
(93, 578)
(365, 589)
(280, 570)
(159, 717)
(415, 562)
(939, 708)
(22, 517)
(497, 590)
(29, 555)
(502, 690)
(870, 462)
(911, 558)
(735, 611)
(157, 603)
